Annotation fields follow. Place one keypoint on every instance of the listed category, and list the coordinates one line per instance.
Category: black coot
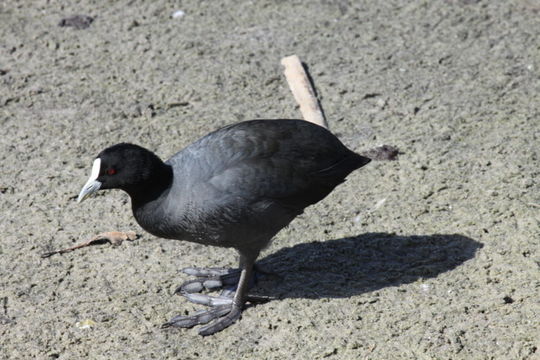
(236, 187)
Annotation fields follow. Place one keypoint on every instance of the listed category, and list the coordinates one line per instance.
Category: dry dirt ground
(433, 256)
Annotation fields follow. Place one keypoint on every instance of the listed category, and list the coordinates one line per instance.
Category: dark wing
(292, 162)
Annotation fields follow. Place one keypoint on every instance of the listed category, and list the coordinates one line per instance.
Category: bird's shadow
(364, 263)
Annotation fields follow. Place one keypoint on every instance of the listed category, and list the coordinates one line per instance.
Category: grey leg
(238, 302)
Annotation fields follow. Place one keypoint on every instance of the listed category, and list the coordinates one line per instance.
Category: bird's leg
(223, 314)
(238, 300)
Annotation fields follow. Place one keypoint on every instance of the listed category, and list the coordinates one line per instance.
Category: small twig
(304, 94)
(115, 238)
(303, 91)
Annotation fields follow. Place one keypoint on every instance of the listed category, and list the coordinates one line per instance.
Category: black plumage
(236, 187)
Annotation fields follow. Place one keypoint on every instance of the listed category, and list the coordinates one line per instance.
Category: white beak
(92, 185)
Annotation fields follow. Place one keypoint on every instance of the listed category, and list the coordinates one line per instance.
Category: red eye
(111, 171)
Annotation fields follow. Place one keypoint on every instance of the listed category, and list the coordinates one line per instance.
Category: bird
(236, 188)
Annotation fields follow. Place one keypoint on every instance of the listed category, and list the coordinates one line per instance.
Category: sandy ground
(434, 256)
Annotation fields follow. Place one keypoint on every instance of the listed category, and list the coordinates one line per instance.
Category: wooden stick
(302, 90)
(113, 237)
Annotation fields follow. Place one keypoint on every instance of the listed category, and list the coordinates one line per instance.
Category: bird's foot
(224, 310)
(209, 279)
(215, 279)
(218, 318)
(227, 299)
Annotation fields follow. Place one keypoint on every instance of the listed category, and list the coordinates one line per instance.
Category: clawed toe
(209, 272)
(225, 298)
(208, 279)
(209, 300)
(224, 316)
(221, 323)
(199, 318)
(217, 278)
(224, 309)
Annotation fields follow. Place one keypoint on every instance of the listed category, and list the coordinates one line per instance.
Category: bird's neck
(152, 188)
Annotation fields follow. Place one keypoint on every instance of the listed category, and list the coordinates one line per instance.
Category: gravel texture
(433, 256)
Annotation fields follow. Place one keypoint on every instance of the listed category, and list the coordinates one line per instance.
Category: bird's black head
(127, 167)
